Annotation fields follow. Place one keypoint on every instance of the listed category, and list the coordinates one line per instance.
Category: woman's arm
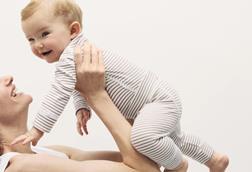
(90, 77)
(46, 163)
(120, 130)
(80, 155)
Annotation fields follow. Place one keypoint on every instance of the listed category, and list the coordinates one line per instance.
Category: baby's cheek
(35, 52)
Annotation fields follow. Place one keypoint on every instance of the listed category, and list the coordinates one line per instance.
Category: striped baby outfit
(138, 94)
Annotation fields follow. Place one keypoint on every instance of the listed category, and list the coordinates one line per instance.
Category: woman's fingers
(78, 57)
(19, 139)
(95, 57)
(87, 55)
(86, 50)
(100, 59)
(90, 54)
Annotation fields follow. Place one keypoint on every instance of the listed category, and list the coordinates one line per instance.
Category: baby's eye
(45, 34)
(30, 39)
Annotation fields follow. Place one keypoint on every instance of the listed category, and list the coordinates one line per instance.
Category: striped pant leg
(192, 146)
(151, 130)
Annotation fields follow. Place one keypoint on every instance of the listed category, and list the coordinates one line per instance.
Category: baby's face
(48, 35)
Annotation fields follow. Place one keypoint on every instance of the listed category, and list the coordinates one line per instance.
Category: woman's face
(11, 103)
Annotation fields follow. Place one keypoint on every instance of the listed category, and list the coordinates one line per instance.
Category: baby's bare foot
(218, 163)
(183, 167)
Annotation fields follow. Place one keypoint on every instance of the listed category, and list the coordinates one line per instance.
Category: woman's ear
(75, 29)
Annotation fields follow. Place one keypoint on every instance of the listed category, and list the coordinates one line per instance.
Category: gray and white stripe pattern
(123, 81)
(62, 88)
(156, 132)
(139, 95)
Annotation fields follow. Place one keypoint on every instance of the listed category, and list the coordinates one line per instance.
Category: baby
(54, 29)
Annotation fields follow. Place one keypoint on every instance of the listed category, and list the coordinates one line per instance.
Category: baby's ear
(75, 29)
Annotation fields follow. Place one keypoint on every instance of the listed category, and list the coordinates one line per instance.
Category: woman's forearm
(120, 130)
(81, 155)
(113, 120)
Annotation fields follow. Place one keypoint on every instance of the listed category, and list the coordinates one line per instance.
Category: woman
(13, 121)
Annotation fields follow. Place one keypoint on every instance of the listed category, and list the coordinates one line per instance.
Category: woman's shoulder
(13, 160)
(16, 159)
(28, 162)
(5, 159)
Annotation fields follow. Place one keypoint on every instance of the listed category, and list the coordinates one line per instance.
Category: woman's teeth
(15, 92)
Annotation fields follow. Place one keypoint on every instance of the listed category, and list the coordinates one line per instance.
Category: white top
(5, 158)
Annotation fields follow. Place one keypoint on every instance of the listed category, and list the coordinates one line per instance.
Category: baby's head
(49, 26)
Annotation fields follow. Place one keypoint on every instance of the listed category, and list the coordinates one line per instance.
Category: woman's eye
(45, 34)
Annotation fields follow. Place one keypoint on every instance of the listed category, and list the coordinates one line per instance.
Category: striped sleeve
(57, 98)
(61, 90)
(79, 102)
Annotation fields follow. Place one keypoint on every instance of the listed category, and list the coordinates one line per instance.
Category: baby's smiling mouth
(46, 53)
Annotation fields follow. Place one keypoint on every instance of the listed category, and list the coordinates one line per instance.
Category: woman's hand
(89, 71)
(33, 135)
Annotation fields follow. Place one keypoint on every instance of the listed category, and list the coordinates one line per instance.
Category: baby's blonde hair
(67, 9)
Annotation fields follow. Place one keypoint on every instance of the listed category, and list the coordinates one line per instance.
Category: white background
(203, 48)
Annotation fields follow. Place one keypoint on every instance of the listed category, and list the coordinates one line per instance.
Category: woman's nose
(6, 79)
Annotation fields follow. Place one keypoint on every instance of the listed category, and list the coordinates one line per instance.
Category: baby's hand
(83, 116)
(33, 136)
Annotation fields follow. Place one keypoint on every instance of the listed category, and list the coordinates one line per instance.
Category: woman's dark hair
(1, 145)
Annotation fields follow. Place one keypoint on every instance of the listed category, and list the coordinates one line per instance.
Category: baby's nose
(39, 45)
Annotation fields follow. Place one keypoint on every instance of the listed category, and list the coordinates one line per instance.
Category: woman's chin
(29, 98)
(25, 97)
